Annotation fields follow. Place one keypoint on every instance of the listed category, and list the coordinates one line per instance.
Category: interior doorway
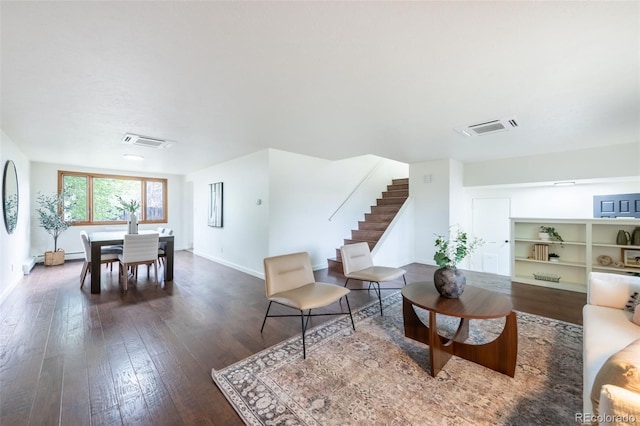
(491, 222)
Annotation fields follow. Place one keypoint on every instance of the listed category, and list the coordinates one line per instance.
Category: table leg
(95, 268)
(499, 355)
(439, 352)
(168, 267)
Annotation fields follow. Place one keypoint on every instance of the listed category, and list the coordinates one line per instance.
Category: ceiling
(326, 79)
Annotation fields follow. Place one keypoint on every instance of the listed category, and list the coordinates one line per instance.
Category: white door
(491, 222)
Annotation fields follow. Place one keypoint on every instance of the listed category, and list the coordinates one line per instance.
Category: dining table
(113, 238)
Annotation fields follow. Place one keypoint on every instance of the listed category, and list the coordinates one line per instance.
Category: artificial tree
(52, 215)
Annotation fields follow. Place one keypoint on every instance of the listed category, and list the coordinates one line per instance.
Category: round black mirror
(10, 196)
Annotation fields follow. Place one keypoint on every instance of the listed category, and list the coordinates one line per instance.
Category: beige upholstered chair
(357, 264)
(109, 255)
(289, 281)
(138, 249)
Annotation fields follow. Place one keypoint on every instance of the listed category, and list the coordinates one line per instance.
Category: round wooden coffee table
(475, 303)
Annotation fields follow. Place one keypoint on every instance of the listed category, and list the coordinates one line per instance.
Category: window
(93, 198)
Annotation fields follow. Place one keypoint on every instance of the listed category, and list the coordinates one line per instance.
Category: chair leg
(265, 317)
(155, 271)
(345, 283)
(305, 324)
(379, 292)
(83, 274)
(125, 277)
(350, 316)
(304, 347)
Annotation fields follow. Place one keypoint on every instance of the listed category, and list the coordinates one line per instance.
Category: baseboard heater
(28, 266)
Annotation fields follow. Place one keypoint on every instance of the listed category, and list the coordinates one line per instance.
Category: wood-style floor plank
(144, 357)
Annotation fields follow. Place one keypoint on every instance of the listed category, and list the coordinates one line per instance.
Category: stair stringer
(396, 247)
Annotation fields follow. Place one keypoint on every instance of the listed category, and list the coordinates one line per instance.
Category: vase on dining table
(132, 224)
(449, 282)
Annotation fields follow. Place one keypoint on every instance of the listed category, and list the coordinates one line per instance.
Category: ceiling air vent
(488, 127)
(146, 142)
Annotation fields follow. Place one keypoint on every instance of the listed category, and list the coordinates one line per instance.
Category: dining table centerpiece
(131, 207)
(451, 249)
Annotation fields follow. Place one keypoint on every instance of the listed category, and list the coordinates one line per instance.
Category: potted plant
(554, 257)
(550, 233)
(51, 214)
(131, 206)
(451, 250)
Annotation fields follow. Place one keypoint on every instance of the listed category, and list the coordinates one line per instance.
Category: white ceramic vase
(133, 224)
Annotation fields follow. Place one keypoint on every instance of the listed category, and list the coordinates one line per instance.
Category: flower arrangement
(453, 248)
(130, 206)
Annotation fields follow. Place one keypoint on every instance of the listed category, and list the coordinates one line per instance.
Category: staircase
(375, 223)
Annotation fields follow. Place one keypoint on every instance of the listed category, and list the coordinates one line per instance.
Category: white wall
(44, 178)
(431, 204)
(14, 247)
(243, 241)
(298, 195)
(307, 191)
(595, 163)
(548, 201)
(445, 201)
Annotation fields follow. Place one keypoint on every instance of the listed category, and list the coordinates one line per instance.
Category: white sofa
(607, 324)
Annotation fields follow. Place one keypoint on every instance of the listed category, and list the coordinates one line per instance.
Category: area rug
(375, 375)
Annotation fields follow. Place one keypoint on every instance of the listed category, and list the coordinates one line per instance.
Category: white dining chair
(108, 256)
(138, 249)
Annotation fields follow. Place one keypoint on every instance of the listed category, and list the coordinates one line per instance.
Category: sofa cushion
(622, 369)
(605, 331)
(611, 290)
(618, 406)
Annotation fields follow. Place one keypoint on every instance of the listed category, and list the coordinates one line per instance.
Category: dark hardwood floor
(72, 358)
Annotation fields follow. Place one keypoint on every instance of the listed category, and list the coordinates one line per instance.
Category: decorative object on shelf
(631, 258)
(604, 260)
(546, 277)
(552, 234)
(52, 212)
(554, 257)
(635, 237)
(623, 238)
(541, 252)
(131, 206)
(451, 250)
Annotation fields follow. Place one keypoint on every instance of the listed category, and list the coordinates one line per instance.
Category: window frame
(143, 191)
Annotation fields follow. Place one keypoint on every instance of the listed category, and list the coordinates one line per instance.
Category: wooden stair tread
(377, 221)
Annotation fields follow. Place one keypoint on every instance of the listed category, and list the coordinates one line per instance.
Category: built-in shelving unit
(585, 240)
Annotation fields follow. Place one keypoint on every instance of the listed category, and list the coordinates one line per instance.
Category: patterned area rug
(375, 375)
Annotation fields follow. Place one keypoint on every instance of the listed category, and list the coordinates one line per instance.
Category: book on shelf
(541, 252)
